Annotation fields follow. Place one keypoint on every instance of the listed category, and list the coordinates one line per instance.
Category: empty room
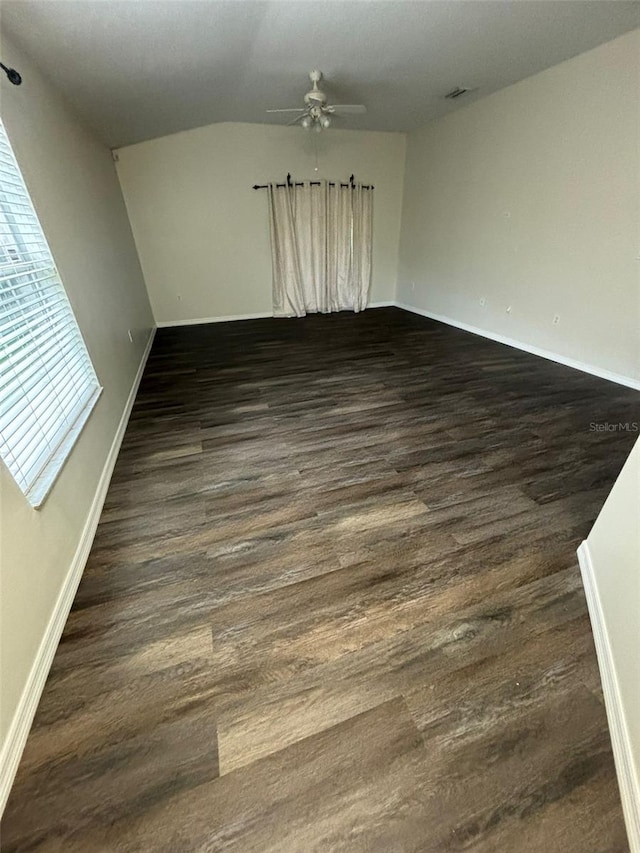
(319, 418)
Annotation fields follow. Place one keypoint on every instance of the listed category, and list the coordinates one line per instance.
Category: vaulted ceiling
(137, 69)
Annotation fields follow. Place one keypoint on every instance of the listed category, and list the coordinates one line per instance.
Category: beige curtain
(321, 243)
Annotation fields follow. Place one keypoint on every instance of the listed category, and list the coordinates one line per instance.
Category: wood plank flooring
(333, 604)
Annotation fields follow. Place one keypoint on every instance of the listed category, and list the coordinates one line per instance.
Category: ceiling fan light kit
(317, 113)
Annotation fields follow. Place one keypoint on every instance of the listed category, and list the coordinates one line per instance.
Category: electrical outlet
(483, 302)
(130, 335)
(556, 319)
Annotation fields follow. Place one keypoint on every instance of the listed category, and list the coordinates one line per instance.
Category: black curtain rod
(290, 183)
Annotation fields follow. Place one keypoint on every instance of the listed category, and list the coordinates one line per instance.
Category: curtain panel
(321, 244)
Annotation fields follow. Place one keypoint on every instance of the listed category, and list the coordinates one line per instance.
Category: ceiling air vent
(455, 93)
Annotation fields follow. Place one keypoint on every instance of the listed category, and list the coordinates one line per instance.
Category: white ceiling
(137, 69)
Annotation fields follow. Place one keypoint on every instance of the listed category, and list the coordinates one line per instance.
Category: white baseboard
(627, 772)
(16, 739)
(601, 372)
(197, 321)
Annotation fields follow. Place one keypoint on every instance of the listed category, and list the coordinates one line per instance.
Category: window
(47, 383)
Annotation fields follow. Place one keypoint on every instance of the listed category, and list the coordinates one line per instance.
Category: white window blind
(47, 383)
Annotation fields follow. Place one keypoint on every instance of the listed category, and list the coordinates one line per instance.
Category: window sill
(38, 492)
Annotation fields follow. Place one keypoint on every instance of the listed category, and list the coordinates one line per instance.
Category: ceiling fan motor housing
(315, 98)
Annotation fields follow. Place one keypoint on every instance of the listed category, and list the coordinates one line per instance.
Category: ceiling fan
(317, 113)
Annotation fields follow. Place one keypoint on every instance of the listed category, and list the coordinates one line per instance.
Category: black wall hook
(12, 74)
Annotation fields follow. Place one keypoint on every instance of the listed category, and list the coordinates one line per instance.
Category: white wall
(613, 564)
(202, 232)
(75, 190)
(530, 198)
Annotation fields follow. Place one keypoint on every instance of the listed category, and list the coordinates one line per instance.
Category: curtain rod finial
(12, 74)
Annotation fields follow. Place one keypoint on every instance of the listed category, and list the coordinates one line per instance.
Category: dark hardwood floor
(333, 604)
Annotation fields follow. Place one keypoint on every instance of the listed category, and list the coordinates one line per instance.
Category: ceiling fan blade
(295, 120)
(345, 109)
(289, 110)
